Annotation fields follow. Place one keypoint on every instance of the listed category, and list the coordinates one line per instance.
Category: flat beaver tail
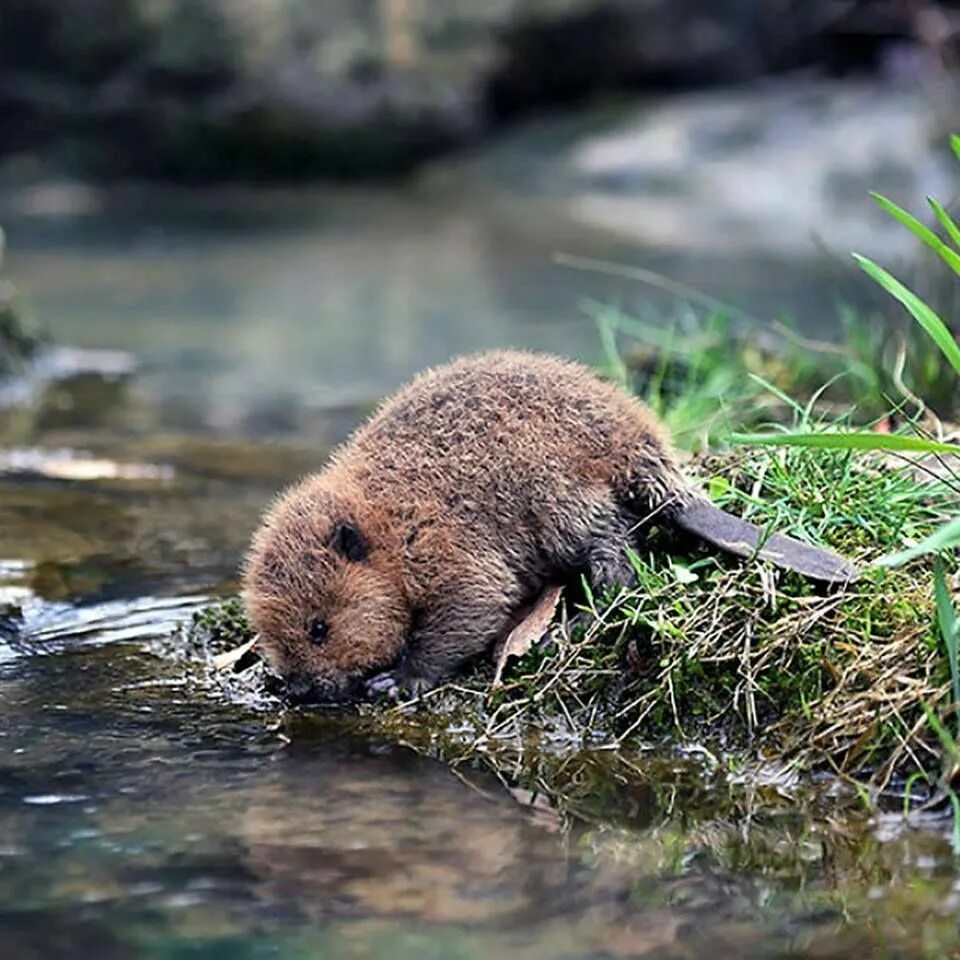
(743, 539)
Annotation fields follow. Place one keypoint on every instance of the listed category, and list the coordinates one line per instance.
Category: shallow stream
(146, 811)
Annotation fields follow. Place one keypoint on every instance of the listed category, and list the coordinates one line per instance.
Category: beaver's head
(323, 593)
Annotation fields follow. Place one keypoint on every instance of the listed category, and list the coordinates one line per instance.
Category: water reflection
(147, 810)
(141, 814)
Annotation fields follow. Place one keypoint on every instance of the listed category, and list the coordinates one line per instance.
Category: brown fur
(467, 492)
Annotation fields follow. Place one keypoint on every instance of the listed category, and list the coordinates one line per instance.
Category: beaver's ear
(349, 542)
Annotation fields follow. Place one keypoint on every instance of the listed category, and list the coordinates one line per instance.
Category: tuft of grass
(945, 537)
(948, 536)
(709, 373)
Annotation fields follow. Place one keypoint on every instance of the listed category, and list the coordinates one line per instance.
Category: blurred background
(279, 209)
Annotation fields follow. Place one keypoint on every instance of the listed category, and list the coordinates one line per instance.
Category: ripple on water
(54, 799)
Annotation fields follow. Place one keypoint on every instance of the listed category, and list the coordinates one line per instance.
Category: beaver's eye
(318, 631)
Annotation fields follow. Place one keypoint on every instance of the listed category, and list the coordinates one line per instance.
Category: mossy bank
(741, 663)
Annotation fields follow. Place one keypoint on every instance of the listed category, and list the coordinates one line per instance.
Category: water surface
(263, 313)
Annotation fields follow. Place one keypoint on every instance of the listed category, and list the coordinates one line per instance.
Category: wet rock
(622, 45)
(11, 620)
(197, 90)
(561, 56)
(18, 345)
(38, 933)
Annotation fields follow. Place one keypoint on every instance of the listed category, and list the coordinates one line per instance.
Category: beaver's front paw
(381, 686)
(391, 686)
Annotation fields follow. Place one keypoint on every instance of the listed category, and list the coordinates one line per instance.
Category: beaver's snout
(293, 688)
(300, 689)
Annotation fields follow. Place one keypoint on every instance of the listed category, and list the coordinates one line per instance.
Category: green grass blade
(926, 317)
(908, 789)
(777, 392)
(946, 221)
(947, 620)
(848, 441)
(616, 368)
(943, 734)
(955, 143)
(658, 281)
(955, 805)
(944, 537)
(921, 231)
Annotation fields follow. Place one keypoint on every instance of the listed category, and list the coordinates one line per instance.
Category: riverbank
(737, 659)
(753, 665)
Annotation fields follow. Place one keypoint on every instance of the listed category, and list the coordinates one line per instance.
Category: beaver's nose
(300, 689)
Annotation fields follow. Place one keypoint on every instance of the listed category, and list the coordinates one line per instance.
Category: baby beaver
(464, 495)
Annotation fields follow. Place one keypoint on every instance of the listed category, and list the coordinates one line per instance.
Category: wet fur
(467, 492)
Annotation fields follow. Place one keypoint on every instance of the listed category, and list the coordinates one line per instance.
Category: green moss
(218, 627)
